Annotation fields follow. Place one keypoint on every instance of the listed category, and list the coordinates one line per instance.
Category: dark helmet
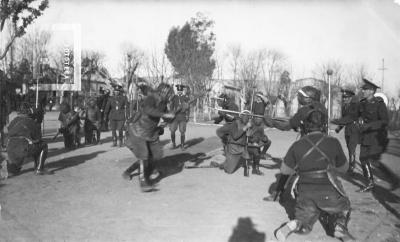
(144, 88)
(308, 94)
(26, 109)
(315, 121)
(165, 91)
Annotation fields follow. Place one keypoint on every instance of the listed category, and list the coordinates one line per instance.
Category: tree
(157, 67)
(92, 63)
(132, 59)
(338, 70)
(235, 53)
(274, 62)
(21, 13)
(190, 50)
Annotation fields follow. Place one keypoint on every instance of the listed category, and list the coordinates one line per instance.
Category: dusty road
(87, 200)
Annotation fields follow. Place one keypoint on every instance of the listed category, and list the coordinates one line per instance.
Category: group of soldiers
(312, 161)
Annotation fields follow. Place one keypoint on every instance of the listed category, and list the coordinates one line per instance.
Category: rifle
(249, 114)
(59, 131)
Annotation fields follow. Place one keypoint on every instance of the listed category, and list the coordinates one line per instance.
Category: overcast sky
(308, 32)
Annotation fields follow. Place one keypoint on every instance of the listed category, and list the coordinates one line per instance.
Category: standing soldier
(25, 140)
(92, 122)
(313, 158)
(257, 140)
(38, 112)
(102, 102)
(144, 131)
(349, 120)
(259, 106)
(373, 129)
(116, 108)
(180, 106)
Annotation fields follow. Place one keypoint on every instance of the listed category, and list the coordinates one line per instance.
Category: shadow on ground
(244, 231)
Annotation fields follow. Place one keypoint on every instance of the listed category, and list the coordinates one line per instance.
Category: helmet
(308, 94)
(315, 121)
(165, 91)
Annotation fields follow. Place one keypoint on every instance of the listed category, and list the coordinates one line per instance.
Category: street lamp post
(329, 72)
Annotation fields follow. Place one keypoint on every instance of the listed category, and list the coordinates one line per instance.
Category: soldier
(102, 102)
(225, 102)
(256, 140)
(349, 120)
(180, 106)
(143, 133)
(233, 135)
(309, 98)
(373, 130)
(38, 112)
(92, 122)
(313, 158)
(69, 126)
(25, 140)
(116, 109)
(5, 110)
(259, 106)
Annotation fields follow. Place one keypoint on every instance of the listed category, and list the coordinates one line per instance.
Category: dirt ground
(86, 198)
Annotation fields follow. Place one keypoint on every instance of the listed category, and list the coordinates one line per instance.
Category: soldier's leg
(41, 156)
(113, 126)
(120, 127)
(306, 214)
(98, 135)
(232, 162)
(267, 143)
(365, 159)
(127, 173)
(173, 127)
(182, 130)
(256, 166)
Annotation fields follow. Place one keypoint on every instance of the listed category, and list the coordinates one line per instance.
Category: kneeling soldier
(25, 140)
(315, 158)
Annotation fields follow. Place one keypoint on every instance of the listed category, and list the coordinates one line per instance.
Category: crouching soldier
(234, 137)
(227, 103)
(25, 140)
(69, 126)
(258, 143)
(92, 123)
(315, 158)
(143, 134)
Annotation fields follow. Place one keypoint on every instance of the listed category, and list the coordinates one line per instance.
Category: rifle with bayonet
(249, 114)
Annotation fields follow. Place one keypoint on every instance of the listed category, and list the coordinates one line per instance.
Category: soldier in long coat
(179, 105)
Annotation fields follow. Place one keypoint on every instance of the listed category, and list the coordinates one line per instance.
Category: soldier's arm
(237, 132)
(224, 130)
(289, 162)
(341, 163)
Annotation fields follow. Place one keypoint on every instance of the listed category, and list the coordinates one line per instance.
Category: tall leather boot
(40, 170)
(182, 142)
(173, 140)
(352, 162)
(265, 149)
(127, 173)
(256, 167)
(368, 174)
(114, 139)
(144, 175)
(98, 134)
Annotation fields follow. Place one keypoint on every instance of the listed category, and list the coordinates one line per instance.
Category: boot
(98, 134)
(367, 174)
(121, 139)
(256, 167)
(173, 140)
(114, 138)
(182, 142)
(341, 231)
(40, 170)
(144, 182)
(246, 169)
(127, 173)
(121, 143)
(283, 232)
(352, 163)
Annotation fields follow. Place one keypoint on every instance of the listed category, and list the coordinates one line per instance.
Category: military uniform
(179, 105)
(227, 104)
(257, 141)
(349, 120)
(69, 126)
(317, 187)
(116, 109)
(25, 140)
(143, 134)
(259, 107)
(234, 138)
(374, 120)
(92, 123)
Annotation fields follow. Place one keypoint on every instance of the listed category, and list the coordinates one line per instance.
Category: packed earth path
(86, 199)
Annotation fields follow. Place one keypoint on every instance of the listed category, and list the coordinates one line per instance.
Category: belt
(314, 174)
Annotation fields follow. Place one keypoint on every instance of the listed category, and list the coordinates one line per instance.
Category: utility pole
(383, 72)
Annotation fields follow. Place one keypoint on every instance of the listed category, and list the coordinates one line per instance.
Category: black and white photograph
(200, 120)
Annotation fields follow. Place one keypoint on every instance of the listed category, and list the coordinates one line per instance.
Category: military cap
(180, 87)
(368, 85)
(118, 88)
(347, 93)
